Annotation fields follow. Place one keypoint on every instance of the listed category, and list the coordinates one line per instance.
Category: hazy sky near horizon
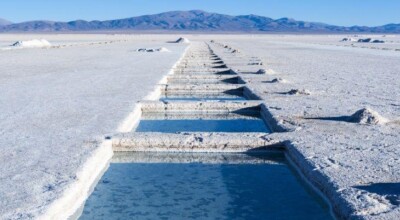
(338, 12)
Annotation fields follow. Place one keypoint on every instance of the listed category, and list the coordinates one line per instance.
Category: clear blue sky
(339, 12)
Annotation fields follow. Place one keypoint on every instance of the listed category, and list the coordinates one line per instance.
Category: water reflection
(172, 123)
(201, 186)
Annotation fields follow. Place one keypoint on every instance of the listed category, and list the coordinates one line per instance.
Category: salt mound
(377, 41)
(32, 44)
(370, 40)
(261, 71)
(367, 116)
(362, 40)
(150, 50)
(349, 39)
(163, 49)
(299, 92)
(182, 40)
(256, 63)
(278, 80)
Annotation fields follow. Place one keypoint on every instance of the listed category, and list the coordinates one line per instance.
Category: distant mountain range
(4, 22)
(194, 21)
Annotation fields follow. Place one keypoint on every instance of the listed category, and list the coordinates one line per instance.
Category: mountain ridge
(195, 21)
(4, 22)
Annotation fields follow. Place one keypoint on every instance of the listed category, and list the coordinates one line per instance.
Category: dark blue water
(248, 187)
(203, 98)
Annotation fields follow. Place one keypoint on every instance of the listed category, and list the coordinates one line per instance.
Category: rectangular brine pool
(239, 94)
(172, 122)
(203, 97)
(206, 80)
(202, 186)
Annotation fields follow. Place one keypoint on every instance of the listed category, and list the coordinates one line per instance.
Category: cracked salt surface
(356, 166)
(57, 104)
(344, 153)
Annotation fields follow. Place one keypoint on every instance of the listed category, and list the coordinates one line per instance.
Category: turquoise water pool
(203, 98)
(205, 122)
(202, 186)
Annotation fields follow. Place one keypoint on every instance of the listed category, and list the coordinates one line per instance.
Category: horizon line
(192, 10)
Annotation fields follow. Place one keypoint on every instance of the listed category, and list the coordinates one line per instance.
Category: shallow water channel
(202, 186)
(167, 185)
(206, 122)
(221, 97)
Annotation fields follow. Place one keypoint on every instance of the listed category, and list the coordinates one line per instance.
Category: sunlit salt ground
(53, 101)
(172, 123)
(202, 186)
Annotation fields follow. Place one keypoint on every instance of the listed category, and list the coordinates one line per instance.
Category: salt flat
(54, 103)
(357, 164)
